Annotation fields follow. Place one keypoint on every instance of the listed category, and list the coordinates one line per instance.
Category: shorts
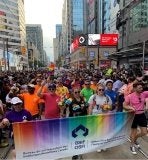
(139, 120)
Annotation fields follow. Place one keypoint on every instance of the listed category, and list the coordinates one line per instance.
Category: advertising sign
(59, 138)
(108, 39)
(74, 45)
(93, 39)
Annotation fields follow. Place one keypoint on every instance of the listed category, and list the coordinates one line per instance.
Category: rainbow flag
(59, 138)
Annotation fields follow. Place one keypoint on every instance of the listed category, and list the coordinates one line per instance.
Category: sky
(48, 13)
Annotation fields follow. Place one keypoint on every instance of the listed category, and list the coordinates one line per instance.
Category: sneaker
(4, 144)
(99, 150)
(133, 150)
(137, 145)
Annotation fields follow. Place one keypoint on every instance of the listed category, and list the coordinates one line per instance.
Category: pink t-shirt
(52, 109)
(137, 101)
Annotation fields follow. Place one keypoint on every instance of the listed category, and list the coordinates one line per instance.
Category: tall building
(57, 47)
(101, 16)
(12, 34)
(35, 35)
(58, 29)
(132, 23)
(72, 22)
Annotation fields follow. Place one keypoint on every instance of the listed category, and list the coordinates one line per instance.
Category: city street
(119, 152)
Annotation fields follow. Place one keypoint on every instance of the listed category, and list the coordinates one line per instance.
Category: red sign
(74, 45)
(108, 39)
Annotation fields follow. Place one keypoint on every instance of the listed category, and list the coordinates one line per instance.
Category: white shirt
(99, 101)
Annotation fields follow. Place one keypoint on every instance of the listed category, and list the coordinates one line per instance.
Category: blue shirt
(112, 94)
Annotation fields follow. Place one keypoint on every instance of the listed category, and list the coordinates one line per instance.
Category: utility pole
(7, 53)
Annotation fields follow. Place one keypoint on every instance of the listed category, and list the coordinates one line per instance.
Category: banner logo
(80, 127)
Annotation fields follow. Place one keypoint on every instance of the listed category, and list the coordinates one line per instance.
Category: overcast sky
(48, 13)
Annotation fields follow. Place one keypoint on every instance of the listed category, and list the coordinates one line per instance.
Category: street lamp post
(7, 54)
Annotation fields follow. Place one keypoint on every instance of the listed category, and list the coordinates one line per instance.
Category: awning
(130, 52)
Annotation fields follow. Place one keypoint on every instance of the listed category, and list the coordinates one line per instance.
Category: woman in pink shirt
(136, 102)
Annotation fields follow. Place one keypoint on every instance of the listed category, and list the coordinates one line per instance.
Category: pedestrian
(31, 101)
(87, 92)
(136, 102)
(52, 108)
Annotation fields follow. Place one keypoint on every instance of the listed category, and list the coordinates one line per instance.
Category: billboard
(74, 45)
(93, 39)
(108, 39)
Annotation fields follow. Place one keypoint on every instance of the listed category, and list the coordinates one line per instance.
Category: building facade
(58, 29)
(34, 34)
(132, 23)
(72, 24)
(12, 35)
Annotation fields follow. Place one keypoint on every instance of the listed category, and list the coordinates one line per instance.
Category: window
(139, 18)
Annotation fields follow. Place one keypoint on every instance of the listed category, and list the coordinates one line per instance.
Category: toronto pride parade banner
(59, 138)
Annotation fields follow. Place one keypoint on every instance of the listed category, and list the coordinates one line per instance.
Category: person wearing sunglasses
(78, 106)
(136, 102)
(52, 108)
(99, 103)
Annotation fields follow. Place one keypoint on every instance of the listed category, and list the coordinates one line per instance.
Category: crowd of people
(37, 95)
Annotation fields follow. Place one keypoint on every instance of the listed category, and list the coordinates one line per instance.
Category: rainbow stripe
(37, 135)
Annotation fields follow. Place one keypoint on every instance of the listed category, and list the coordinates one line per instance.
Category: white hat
(31, 85)
(16, 100)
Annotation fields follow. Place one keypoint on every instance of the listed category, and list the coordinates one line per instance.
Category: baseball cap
(31, 85)
(16, 100)
(52, 85)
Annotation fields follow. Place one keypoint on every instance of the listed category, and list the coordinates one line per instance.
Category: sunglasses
(17, 104)
(87, 84)
(38, 81)
(77, 92)
(100, 89)
(51, 89)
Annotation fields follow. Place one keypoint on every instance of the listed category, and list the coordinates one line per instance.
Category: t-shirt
(44, 90)
(137, 101)
(87, 93)
(94, 86)
(14, 116)
(31, 102)
(117, 85)
(113, 95)
(78, 108)
(98, 101)
(52, 109)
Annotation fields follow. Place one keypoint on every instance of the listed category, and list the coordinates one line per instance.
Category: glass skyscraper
(77, 17)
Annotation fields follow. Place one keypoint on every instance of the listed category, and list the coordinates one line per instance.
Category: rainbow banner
(59, 138)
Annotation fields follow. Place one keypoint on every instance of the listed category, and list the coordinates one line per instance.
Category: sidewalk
(4, 151)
